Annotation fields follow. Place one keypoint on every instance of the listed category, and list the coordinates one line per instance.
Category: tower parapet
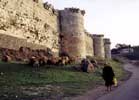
(38, 1)
(75, 10)
(49, 7)
(98, 46)
(71, 22)
(107, 48)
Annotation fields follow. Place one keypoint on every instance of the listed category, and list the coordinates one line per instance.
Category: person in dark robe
(108, 75)
(84, 65)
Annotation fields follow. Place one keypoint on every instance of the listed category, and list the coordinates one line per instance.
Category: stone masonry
(30, 20)
(72, 30)
(31, 23)
(99, 51)
(107, 44)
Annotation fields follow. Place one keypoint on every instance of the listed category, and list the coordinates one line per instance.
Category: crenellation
(88, 34)
(38, 1)
(75, 10)
(107, 41)
(48, 6)
(98, 35)
(83, 12)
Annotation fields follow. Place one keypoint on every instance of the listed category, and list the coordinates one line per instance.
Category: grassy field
(20, 81)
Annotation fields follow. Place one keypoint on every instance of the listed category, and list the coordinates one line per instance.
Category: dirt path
(127, 91)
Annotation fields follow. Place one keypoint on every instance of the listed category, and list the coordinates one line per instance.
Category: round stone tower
(107, 47)
(98, 46)
(72, 32)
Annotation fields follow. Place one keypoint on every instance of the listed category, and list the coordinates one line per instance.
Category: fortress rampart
(36, 25)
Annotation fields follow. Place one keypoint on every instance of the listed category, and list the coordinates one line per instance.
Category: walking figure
(108, 76)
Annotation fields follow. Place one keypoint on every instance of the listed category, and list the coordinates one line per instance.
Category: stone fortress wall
(30, 20)
(36, 25)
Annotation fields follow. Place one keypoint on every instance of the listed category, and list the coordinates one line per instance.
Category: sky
(116, 19)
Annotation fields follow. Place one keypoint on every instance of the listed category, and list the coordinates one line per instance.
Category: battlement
(98, 35)
(49, 7)
(38, 1)
(107, 41)
(88, 34)
(75, 10)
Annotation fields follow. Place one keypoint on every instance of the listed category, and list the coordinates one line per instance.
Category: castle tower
(107, 44)
(98, 46)
(72, 32)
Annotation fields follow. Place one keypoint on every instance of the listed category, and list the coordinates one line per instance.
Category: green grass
(50, 82)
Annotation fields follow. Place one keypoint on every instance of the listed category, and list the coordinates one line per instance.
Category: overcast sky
(116, 19)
